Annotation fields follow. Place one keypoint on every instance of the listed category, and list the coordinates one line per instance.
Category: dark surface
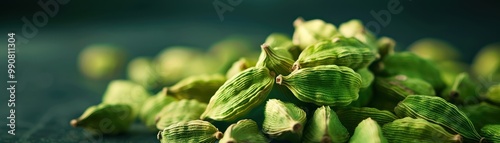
(51, 91)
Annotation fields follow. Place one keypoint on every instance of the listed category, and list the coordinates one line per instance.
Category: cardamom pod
(323, 85)
(277, 59)
(487, 62)
(283, 121)
(463, 91)
(434, 49)
(126, 92)
(491, 133)
(385, 46)
(142, 71)
(195, 131)
(352, 116)
(239, 95)
(437, 110)
(283, 41)
(153, 106)
(244, 131)
(340, 51)
(366, 90)
(325, 127)
(493, 94)
(173, 63)
(178, 111)
(482, 114)
(398, 87)
(199, 87)
(101, 61)
(355, 28)
(310, 32)
(105, 118)
(238, 66)
(418, 131)
(368, 131)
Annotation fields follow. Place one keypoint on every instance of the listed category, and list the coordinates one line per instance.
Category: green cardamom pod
(106, 118)
(368, 131)
(283, 41)
(179, 111)
(482, 114)
(142, 71)
(434, 50)
(463, 91)
(310, 32)
(487, 62)
(409, 130)
(323, 85)
(240, 94)
(437, 110)
(366, 90)
(101, 61)
(325, 126)
(153, 106)
(277, 59)
(491, 133)
(340, 51)
(195, 131)
(412, 66)
(244, 131)
(352, 116)
(199, 87)
(238, 66)
(493, 94)
(126, 92)
(355, 28)
(398, 87)
(283, 121)
(385, 46)
(173, 63)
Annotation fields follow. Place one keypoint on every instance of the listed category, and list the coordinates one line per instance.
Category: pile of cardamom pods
(325, 84)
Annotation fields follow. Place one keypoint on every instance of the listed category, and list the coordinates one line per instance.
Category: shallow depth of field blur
(54, 84)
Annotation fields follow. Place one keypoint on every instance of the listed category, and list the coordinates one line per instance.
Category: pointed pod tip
(298, 21)
(297, 127)
(219, 135)
(74, 122)
(296, 66)
(279, 79)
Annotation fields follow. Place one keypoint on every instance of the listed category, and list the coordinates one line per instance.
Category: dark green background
(51, 91)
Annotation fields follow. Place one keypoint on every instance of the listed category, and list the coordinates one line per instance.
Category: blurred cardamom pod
(325, 126)
(463, 91)
(482, 114)
(352, 116)
(106, 118)
(368, 131)
(244, 131)
(491, 133)
(323, 85)
(386, 46)
(283, 121)
(493, 94)
(434, 49)
(418, 130)
(310, 32)
(238, 66)
(179, 111)
(101, 61)
(487, 62)
(126, 92)
(195, 131)
(142, 71)
(439, 111)
(153, 106)
(199, 87)
(239, 95)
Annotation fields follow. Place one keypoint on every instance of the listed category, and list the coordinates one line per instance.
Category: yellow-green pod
(409, 130)
(283, 41)
(195, 131)
(434, 50)
(340, 51)
(352, 116)
(126, 92)
(277, 59)
(494, 94)
(244, 131)
(491, 133)
(487, 62)
(283, 121)
(450, 70)
(463, 91)
(325, 126)
(105, 118)
(199, 87)
(142, 71)
(239, 95)
(368, 131)
(310, 32)
(437, 110)
(153, 106)
(101, 61)
(412, 66)
(355, 28)
(482, 114)
(385, 46)
(323, 85)
(238, 66)
(173, 63)
(398, 87)
(179, 111)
